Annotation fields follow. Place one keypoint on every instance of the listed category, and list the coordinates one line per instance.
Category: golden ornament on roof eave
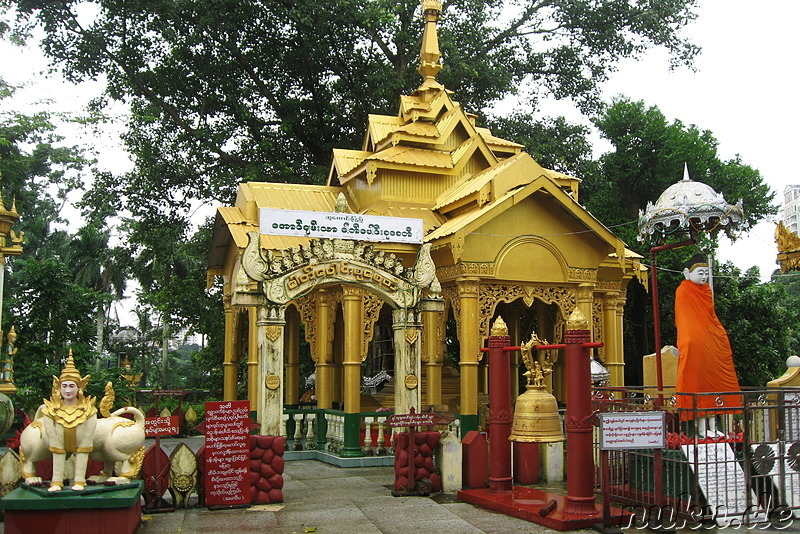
(689, 207)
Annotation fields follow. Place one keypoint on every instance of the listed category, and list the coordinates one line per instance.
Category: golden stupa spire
(429, 55)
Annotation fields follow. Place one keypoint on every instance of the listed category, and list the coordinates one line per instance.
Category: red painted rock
(265, 442)
(276, 481)
(266, 470)
(278, 464)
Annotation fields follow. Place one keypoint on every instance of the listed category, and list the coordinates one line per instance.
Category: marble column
(271, 331)
(407, 351)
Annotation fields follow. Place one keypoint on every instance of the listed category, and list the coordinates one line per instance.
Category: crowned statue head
(70, 385)
(696, 269)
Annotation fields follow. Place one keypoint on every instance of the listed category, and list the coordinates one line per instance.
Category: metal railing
(744, 472)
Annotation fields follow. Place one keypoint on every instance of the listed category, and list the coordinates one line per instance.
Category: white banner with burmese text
(340, 225)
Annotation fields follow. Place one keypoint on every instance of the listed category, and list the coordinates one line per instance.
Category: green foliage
(648, 157)
(762, 320)
(552, 142)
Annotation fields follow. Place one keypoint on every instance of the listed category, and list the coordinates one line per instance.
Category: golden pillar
(433, 354)
(614, 360)
(619, 332)
(252, 358)
(324, 351)
(353, 308)
(353, 333)
(469, 315)
(584, 301)
(230, 358)
(337, 376)
(291, 348)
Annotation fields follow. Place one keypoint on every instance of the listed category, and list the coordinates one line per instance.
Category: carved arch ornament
(491, 294)
(291, 275)
(286, 275)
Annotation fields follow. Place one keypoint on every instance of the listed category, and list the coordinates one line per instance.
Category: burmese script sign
(161, 426)
(340, 225)
(227, 453)
(632, 430)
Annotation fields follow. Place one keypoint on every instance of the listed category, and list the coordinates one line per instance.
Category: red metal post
(500, 480)
(580, 464)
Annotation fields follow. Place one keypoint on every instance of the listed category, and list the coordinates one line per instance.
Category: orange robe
(705, 359)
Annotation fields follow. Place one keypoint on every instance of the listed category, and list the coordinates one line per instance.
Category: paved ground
(325, 499)
(322, 498)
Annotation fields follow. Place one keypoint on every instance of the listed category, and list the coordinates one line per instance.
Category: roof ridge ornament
(429, 55)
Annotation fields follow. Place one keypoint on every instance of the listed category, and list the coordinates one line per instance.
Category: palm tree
(99, 267)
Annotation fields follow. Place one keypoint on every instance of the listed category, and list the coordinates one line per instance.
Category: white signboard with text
(340, 225)
(632, 430)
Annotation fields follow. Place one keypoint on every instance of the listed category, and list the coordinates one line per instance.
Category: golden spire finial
(499, 327)
(577, 321)
(429, 55)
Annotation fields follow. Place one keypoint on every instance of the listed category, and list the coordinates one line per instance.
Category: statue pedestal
(97, 510)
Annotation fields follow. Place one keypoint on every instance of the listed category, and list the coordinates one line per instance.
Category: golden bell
(536, 417)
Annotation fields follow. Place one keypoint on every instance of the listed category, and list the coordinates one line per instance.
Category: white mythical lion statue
(68, 423)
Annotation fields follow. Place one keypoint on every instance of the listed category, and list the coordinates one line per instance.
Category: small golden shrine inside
(501, 235)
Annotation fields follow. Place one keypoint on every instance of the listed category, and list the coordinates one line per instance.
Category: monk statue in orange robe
(705, 359)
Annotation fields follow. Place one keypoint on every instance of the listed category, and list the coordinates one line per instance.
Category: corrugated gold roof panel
(293, 196)
(555, 175)
(422, 129)
(492, 140)
(414, 156)
(381, 126)
(347, 160)
(474, 184)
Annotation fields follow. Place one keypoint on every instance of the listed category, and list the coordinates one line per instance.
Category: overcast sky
(744, 91)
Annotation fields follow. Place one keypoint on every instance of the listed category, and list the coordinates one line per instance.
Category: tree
(763, 323)
(100, 267)
(50, 311)
(230, 90)
(648, 156)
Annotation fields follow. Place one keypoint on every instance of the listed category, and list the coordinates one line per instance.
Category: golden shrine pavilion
(500, 235)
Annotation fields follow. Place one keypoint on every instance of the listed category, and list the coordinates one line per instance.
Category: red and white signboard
(161, 426)
(227, 427)
(632, 430)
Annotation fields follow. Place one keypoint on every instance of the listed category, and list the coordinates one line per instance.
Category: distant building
(790, 213)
